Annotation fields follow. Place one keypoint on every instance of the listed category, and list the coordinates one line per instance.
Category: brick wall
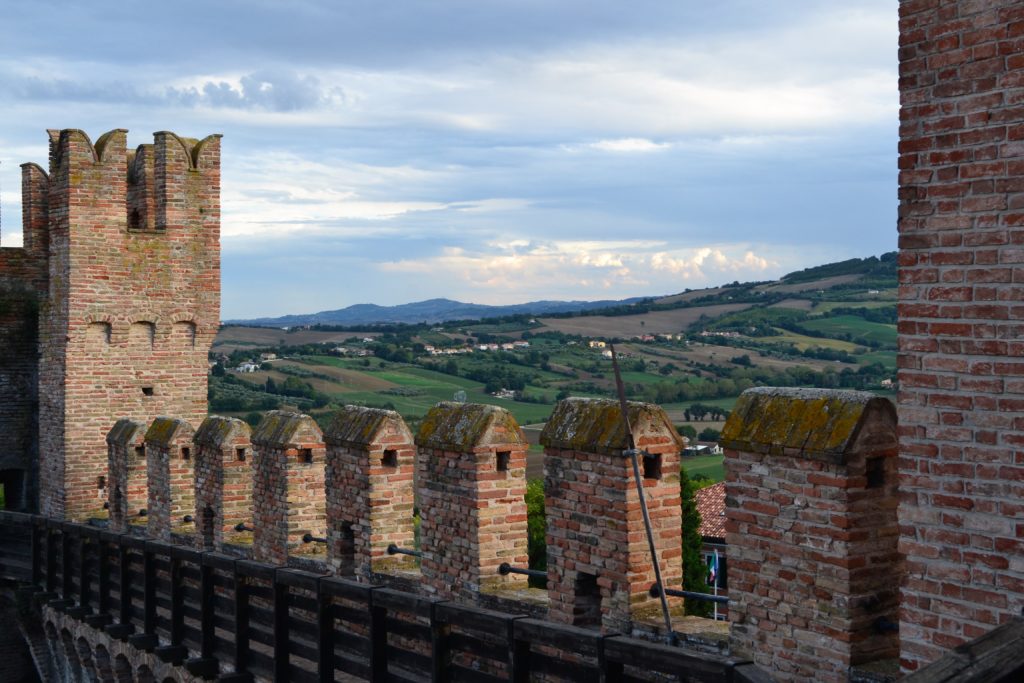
(371, 458)
(223, 479)
(23, 285)
(961, 232)
(288, 485)
(472, 487)
(170, 477)
(127, 487)
(811, 491)
(599, 561)
(132, 307)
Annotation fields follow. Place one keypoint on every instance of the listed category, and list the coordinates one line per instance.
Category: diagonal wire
(632, 452)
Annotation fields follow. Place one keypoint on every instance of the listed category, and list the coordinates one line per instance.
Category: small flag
(713, 570)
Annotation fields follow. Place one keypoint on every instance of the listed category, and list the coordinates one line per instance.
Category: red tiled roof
(711, 506)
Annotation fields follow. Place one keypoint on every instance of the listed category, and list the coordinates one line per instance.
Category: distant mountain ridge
(442, 310)
(430, 311)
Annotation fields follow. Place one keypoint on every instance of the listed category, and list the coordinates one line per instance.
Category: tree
(709, 434)
(695, 574)
(536, 526)
(688, 431)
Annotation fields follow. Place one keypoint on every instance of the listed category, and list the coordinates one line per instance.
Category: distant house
(268, 356)
(596, 344)
(247, 367)
(702, 448)
(711, 506)
(607, 353)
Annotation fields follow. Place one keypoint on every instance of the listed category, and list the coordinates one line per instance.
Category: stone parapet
(472, 487)
(599, 562)
(371, 459)
(811, 497)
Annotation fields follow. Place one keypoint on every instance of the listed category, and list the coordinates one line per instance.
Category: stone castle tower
(120, 277)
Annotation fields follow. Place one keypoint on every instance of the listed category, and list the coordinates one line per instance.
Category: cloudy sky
(493, 151)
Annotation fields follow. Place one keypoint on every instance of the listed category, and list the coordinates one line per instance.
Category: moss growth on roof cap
(820, 424)
(462, 427)
(283, 428)
(595, 425)
(217, 431)
(359, 426)
(167, 431)
(126, 432)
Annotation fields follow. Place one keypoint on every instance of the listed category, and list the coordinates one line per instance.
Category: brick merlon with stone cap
(463, 427)
(595, 426)
(599, 562)
(472, 487)
(819, 424)
(371, 459)
(223, 479)
(811, 499)
(170, 478)
(126, 472)
(288, 485)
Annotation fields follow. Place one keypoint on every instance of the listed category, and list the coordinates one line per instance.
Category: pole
(670, 635)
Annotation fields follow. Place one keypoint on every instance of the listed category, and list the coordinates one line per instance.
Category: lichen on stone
(595, 425)
(126, 432)
(818, 423)
(358, 426)
(217, 431)
(461, 427)
(168, 431)
(283, 428)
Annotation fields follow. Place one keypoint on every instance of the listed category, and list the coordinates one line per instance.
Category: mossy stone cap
(595, 425)
(169, 431)
(359, 426)
(461, 427)
(217, 431)
(283, 428)
(822, 424)
(126, 432)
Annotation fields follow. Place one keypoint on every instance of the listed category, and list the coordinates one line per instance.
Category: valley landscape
(692, 352)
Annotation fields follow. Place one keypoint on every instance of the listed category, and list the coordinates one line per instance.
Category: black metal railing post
(241, 621)
(37, 554)
(324, 634)
(281, 651)
(51, 560)
(206, 664)
(147, 640)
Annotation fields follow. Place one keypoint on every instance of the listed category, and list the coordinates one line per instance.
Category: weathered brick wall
(288, 485)
(170, 477)
(127, 487)
(961, 232)
(23, 283)
(371, 459)
(223, 479)
(132, 307)
(472, 487)
(599, 561)
(811, 497)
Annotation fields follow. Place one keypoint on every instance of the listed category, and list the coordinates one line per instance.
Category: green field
(711, 466)
(856, 327)
(823, 307)
(802, 341)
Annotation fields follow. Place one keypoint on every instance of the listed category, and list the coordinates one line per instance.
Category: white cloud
(628, 145)
(517, 271)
